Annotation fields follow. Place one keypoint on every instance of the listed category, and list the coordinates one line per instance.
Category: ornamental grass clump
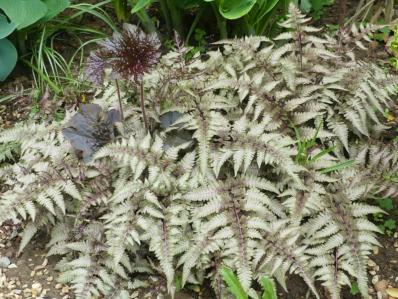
(263, 156)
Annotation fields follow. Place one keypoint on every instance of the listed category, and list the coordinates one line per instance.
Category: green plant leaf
(235, 9)
(8, 58)
(390, 224)
(55, 7)
(269, 288)
(270, 6)
(305, 5)
(338, 166)
(23, 12)
(140, 4)
(354, 289)
(385, 203)
(6, 28)
(233, 283)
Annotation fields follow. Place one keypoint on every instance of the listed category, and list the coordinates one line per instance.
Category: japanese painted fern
(226, 183)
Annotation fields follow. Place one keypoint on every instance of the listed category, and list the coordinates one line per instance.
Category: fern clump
(262, 156)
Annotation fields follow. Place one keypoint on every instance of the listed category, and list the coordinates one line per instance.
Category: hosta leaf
(8, 58)
(23, 12)
(235, 9)
(6, 28)
(54, 7)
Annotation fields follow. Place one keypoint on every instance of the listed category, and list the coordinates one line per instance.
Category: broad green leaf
(235, 9)
(390, 224)
(269, 288)
(233, 283)
(55, 7)
(305, 6)
(5, 28)
(140, 4)
(8, 58)
(23, 12)
(385, 203)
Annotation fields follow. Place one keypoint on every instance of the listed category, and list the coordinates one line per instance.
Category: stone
(381, 285)
(371, 263)
(4, 262)
(12, 266)
(65, 290)
(375, 279)
(36, 289)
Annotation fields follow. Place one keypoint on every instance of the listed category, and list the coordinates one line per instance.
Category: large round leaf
(8, 58)
(54, 7)
(235, 9)
(23, 12)
(5, 28)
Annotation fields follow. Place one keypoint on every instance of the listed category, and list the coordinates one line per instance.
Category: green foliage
(315, 7)
(215, 180)
(386, 224)
(233, 283)
(354, 290)
(22, 14)
(394, 48)
(269, 288)
(8, 58)
(232, 17)
(235, 287)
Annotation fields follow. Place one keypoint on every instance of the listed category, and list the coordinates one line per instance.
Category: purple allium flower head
(128, 54)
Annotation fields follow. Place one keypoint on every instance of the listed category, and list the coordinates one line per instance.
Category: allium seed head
(128, 55)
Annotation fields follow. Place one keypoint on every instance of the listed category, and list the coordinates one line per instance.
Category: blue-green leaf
(55, 7)
(23, 12)
(6, 28)
(8, 58)
(235, 9)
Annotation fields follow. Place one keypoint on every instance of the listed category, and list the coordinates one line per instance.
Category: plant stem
(120, 100)
(195, 23)
(166, 14)
(143, 106)
(176, 17)
(221, 22)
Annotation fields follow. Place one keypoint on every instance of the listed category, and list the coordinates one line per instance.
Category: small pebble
(371, 263)
(12, 266)
(65, 290)
(375, 279)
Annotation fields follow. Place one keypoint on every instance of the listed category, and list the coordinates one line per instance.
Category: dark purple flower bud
(128, 55)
